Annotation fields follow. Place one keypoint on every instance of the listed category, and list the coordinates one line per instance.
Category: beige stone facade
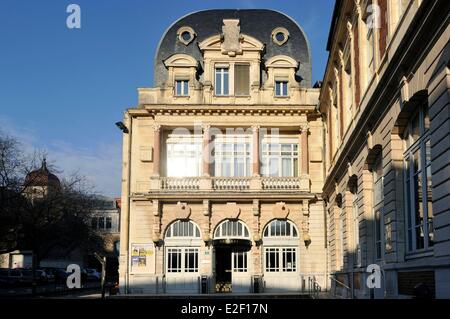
(385, 100)
(245, 218)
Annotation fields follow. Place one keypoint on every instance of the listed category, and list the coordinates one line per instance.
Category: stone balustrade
(300, 184)
(231, 183)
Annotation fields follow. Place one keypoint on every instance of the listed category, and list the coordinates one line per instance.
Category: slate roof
(258, 23)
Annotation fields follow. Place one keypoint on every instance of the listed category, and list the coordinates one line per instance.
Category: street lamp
(122, 127)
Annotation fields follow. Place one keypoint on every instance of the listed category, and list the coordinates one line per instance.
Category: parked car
(60, 275)
(49, 274)
(27, 276)
(93, 274)
(10, 277)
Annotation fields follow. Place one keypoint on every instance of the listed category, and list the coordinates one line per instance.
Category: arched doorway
(281, 256)
(182, 242)
(232, 246)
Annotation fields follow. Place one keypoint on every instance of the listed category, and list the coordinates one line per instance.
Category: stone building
(223, 163)
(385, 101)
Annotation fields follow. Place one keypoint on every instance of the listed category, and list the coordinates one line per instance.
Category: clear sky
(62, 90)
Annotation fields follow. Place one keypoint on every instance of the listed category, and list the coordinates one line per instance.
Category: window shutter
(242, 79)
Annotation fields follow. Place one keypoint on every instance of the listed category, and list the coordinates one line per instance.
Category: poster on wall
(141, 256)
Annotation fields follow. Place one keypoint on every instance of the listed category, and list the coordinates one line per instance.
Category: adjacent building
(386, 108)
(223, 165)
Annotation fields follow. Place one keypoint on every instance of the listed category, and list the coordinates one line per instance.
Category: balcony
(225, 184)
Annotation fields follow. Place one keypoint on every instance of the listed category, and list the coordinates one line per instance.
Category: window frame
(227, 152)
(184, 86)
(183, 260)
(278, 255)
(220, 91)
(284, 88)
(420, 146)
(267, 154)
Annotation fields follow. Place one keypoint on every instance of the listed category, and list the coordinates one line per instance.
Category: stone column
(156, 150)
(206, 160)
(255, 161)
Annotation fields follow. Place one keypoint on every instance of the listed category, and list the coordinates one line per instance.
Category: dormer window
(222, 80)
(281, 88)
(181, 87)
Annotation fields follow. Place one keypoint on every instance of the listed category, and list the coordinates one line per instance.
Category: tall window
(280, 258)
(182, 87)
(280, 158)
(281, 88)
(355, 217)
(184, 156)
(242, 79)
(348, 93)
(232, 156)
(378, 196)
(418, 183)
(222, 81)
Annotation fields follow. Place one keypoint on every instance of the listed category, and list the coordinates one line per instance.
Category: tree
(42, 221)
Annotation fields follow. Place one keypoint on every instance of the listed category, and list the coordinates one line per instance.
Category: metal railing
(349, 289)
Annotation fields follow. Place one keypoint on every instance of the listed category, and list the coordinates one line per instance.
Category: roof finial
(44, 163)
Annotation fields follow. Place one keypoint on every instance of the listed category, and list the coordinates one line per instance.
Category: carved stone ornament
(231, 33)
(280, 210)
(182, 211)
(232, 211)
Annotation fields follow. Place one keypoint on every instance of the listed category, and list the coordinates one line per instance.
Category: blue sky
(62, 90)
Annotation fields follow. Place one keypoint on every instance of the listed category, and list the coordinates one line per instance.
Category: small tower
(41, 182)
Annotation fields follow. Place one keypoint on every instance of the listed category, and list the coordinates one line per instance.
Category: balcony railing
(282, 183)
(180, 183)
(300, 184)
(231, 183)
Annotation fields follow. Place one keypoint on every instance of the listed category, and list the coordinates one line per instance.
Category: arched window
(280, 228)
(231, 229)
(183, 228)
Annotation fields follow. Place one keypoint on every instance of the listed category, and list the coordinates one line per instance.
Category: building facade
(385, 101)
(223, 165)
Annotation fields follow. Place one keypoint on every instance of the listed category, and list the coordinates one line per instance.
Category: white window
(183, 228)
(239, 261)
(231, 228)
(418, 183)
(222, 81)
(232, 156)
(184, 156)
(182, 260)
(280, 228)
(280, 259)
(280, 158)
(182, 87)
(281, 88)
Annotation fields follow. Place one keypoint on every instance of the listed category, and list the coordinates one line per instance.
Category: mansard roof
(257, 23)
